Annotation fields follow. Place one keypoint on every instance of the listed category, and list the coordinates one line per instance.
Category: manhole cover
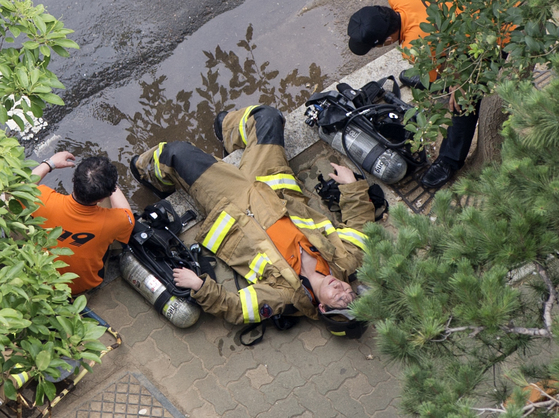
(130, 396)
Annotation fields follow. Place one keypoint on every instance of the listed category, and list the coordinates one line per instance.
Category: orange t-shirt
(412, 14)
(289, 241)
(88, 232)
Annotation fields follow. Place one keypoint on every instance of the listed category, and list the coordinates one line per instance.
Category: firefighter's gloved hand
(187, 279)
(343, 174)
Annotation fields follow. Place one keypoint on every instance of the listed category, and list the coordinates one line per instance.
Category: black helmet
(342, 323)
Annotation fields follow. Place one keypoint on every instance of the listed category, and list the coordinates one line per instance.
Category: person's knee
(269, 125)
(188, 161)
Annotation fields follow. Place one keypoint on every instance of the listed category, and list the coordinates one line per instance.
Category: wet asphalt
(154, 71)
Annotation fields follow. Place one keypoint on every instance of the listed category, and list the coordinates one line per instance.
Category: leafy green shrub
(39, 325)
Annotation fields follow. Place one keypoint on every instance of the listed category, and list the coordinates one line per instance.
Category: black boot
(414, 81)
(218, 125)
(137, 176)
(437, 175)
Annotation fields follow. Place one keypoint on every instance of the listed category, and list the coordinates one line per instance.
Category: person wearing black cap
(377, 26)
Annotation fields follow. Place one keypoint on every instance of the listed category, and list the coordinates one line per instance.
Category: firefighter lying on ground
(258, 222)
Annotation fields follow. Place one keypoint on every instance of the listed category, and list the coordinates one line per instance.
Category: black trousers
(455, 147)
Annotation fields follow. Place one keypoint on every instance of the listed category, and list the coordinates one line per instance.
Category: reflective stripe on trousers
(243, 123)
(280, 181)
(157, 165)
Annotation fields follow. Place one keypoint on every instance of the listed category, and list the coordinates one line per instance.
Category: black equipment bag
(156, 245)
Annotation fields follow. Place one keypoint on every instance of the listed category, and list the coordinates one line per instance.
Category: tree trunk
(489, 139)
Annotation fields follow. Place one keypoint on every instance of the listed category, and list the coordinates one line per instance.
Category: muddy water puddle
(260, 52)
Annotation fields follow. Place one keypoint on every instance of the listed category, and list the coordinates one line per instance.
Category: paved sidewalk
(204, 371)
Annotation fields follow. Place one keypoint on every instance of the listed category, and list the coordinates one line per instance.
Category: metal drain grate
(412, 194)
(130, 396)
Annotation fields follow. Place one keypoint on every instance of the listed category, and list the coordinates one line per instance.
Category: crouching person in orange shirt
(88, 229)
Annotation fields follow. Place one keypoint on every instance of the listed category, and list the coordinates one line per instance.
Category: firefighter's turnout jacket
(242, 203)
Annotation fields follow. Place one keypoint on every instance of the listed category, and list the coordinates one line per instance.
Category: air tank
(179, 311)
(381, 162)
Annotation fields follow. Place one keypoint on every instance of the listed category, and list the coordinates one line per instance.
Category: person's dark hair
(394, 21)
(94, 179)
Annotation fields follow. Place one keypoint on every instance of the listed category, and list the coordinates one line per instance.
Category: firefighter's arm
(251, 304)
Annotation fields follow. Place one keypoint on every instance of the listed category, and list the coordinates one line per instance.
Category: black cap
(367, 28)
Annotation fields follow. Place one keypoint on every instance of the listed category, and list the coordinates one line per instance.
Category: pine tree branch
(534, 332)
(548, 305)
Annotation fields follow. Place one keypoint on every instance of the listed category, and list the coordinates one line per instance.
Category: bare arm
(61, 159)
(118, 200)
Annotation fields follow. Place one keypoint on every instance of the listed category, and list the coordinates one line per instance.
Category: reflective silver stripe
(280, 181)
(218, 231)
(309, 224)
(157, 165)
(249, 304)
(258, 264)
(243, 123)
(353, 236)
(251, 277)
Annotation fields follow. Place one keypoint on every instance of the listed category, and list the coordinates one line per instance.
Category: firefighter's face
(335, 293)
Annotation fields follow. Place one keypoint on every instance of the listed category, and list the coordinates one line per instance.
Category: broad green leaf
(60, 51)
(94, 333)
(9, 388)
(19, 122)
(66, 43)
(40, 24)
(90, 356)
(31, 45)
(95, 346)
(80, 303)
(66, 324)
(43, 360)
(52, 98)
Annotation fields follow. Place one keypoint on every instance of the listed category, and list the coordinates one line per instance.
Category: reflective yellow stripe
(338, 333)
(308, 223)
(158, 172)
(327, 225)
(20, 379)
(243, 123)
(353, 236)
(249, 303)
(280, 181)
(218, 231)
(251, 277)
(258, 264)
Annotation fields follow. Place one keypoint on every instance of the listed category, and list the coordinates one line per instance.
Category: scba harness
(370, 132)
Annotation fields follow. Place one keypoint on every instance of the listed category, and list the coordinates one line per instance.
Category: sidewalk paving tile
(174, 347)
(381, 397)
(246, 395)
(215, 394)
(313, 401)
(282, 385)
(288, 407)
(346, 405)
(259, 376)
(307, 365)
(334, 375)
